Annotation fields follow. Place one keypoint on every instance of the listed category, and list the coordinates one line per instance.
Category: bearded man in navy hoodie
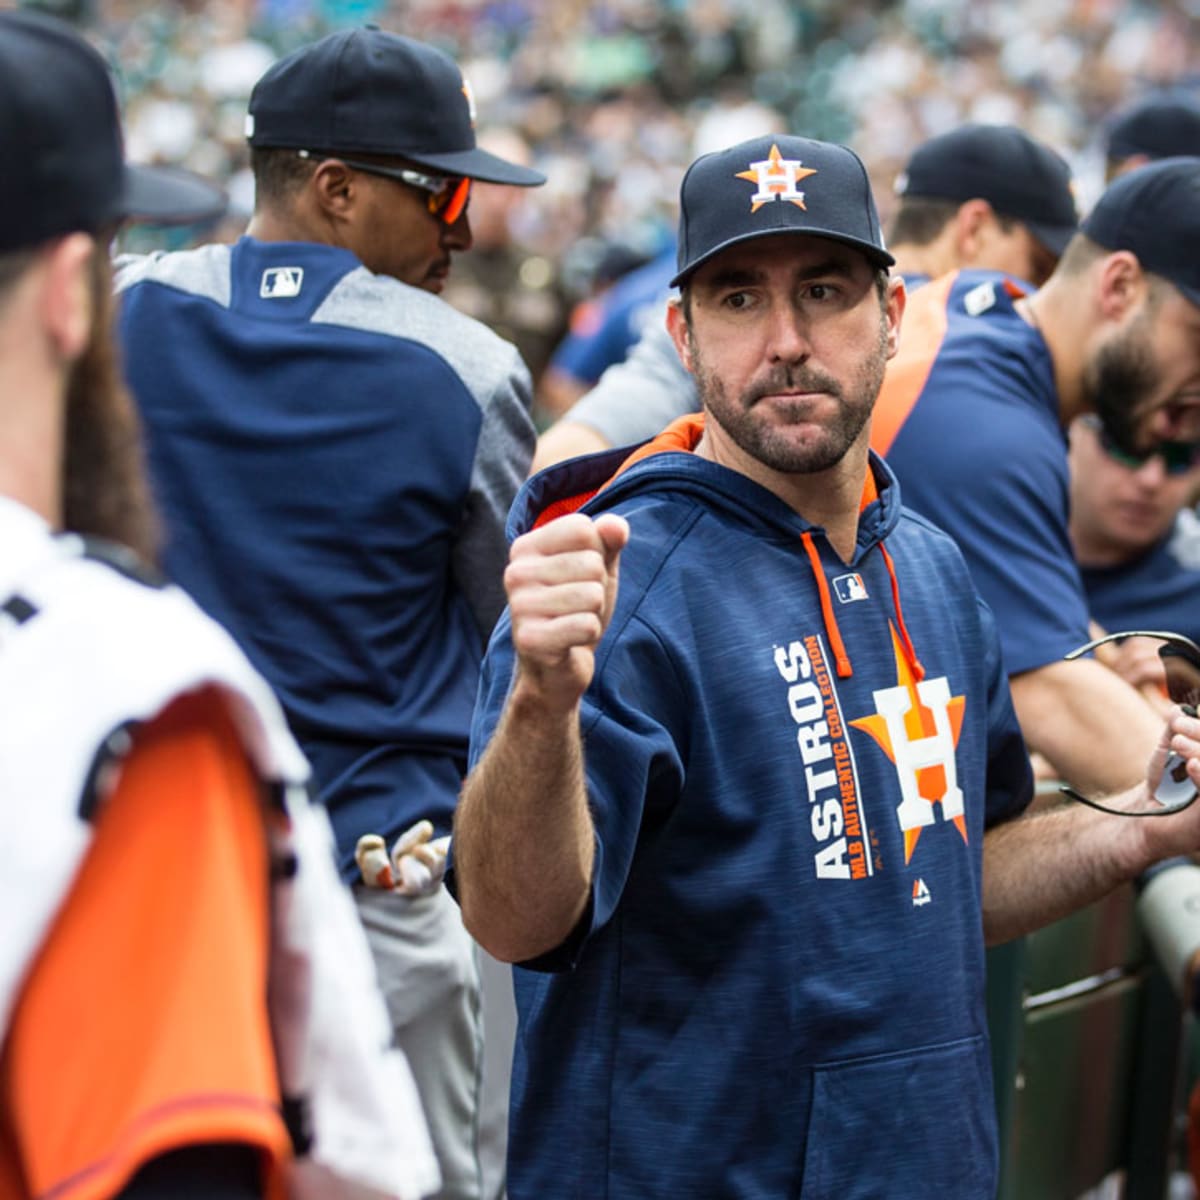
(746, 821)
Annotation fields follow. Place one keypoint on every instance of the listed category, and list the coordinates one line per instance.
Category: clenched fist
(561, 582)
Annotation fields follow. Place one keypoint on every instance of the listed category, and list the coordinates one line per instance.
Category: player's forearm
(566, 439)
(1095, 730)
(523, 837)
(1045, 865)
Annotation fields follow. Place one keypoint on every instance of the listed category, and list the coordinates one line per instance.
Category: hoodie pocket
(918, 1123)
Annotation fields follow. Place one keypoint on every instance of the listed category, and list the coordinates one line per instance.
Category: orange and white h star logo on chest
(776, 178)
(917, 724)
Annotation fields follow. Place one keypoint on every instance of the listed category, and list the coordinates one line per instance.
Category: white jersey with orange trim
(86, 652)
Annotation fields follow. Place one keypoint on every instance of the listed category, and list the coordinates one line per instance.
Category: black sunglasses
(447, 195)
(1178, 457)
(1181, 662)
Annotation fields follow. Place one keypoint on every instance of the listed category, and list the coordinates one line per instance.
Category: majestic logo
(850, 588)
(921, 894)
(281, 283)
(776, 178)
(917, 725)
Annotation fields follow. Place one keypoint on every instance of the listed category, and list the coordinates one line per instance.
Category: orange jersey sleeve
(142, 1025)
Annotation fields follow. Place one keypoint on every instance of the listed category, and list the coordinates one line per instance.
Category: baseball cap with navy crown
(1160, 125)
(1154, 212)
(60, 141)
(1019, 177)
(771, 185)
(368, 91)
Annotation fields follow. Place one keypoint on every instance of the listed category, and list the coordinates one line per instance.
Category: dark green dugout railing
(1087, 1027)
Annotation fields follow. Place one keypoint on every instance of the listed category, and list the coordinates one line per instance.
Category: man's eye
(737, 300)
(819, 291)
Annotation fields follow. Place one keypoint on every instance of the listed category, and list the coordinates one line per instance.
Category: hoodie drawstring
(832, 631)
(909, 651)
(841, 658)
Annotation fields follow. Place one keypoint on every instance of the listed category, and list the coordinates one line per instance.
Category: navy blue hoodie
(777, 988)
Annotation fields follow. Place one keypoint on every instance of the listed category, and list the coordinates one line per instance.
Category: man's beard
(1118, 381)
(769, 444)
(104, 489)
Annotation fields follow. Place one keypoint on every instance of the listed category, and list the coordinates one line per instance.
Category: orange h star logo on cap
(776, 178)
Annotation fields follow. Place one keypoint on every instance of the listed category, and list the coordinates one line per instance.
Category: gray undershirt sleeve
(641, 396)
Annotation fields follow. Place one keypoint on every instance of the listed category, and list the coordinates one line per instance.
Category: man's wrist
(535, 700)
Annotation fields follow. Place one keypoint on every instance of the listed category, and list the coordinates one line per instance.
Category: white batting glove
(371, 855)
(416, 866)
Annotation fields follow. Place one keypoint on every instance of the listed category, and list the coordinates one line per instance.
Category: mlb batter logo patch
(850, 588)
(980, 299)
(281, 283)
(776, 178)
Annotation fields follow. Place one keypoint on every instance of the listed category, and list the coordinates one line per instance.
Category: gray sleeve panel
(200, 272)
(378, 304)
(641, 396)
(494, 374)
(502, 458)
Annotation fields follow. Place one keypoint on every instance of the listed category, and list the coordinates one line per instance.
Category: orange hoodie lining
(682, 434)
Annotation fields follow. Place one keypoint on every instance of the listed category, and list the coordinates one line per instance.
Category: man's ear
(334, 187)
(1121, 285)
(897, 298)
(970, 228)
(677, 327)
(65, 302)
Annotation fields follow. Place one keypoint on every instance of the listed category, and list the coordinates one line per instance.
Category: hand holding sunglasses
(1180, 657)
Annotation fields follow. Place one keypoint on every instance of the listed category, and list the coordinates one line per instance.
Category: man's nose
(788, 334)
(1152, 473)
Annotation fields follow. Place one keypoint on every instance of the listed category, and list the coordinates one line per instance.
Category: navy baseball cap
(60, 141)
(1154, 212)
(372, 92)
(1158, 126)
(1019, 177)
(776, 184)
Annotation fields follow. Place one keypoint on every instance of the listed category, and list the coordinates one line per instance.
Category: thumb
(614, 536)
(614, 533)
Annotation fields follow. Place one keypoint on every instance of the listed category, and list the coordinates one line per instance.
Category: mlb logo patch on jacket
(850, 588)
(281, 283)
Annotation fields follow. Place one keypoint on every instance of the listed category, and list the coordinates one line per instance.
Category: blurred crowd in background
(612, 98)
